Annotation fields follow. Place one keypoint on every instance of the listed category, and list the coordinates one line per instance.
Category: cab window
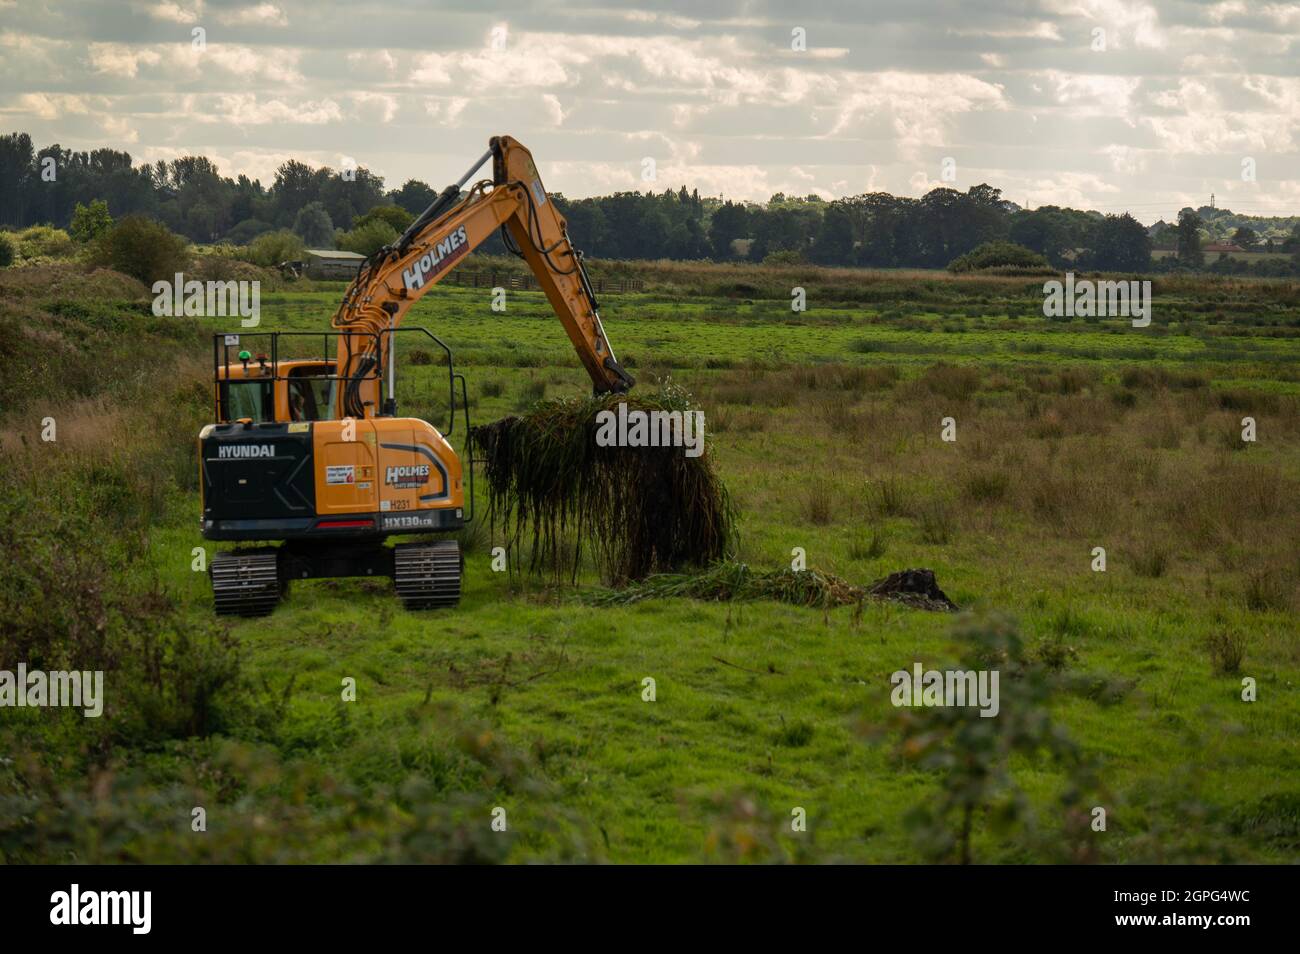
(311, 398)
(251, 399)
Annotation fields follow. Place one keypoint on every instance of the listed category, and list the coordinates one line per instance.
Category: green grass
(768, 702)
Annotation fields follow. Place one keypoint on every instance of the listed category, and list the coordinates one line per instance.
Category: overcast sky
(1183, 94)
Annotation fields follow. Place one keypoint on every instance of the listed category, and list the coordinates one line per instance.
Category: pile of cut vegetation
(727, 580)
(640, 509)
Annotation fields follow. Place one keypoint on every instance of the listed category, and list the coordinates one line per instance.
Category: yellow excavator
(310, 453)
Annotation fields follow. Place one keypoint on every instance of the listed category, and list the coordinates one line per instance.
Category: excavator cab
(305, 391)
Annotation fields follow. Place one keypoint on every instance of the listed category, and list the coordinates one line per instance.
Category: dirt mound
(917, 588)
(69, 282)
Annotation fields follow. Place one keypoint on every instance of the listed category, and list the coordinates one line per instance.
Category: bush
(143, 248)
(787, 256)
(6, 251)
(89, 222)
(275, 247)
(367, 239)
(999, 255)
(43, 241)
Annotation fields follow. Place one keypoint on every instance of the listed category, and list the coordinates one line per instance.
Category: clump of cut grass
(728, 580)
(641, 509)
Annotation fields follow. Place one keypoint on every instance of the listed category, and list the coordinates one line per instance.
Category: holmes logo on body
(436, 259)
(413, 476)
(245, 450)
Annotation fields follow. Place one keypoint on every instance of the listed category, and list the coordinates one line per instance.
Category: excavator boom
(514, 201)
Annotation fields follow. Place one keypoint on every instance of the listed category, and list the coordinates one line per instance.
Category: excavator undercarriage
(251, 582)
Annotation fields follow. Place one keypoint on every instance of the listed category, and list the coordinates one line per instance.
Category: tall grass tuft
(1227, 651)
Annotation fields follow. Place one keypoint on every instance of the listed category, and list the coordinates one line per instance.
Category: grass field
(826, 427)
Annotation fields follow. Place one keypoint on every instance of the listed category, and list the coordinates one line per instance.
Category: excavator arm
(399, 275)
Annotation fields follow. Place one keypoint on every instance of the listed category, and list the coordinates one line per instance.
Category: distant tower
(1211, 200)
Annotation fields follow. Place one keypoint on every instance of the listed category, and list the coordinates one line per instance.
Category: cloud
(54, 105)
(719, 99)
(375, 106)
(1125, 21)
(174, 12)
(554, 110)
(1092, 94)
(118, 59)
(246, 109)
(264, 14)
(918, 106)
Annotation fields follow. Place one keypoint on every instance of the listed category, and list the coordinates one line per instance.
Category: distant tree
(345, 196)
(247, 230)
(1189, 238)
(16, 168)
(1120, 243)
(1246, 237)
(314, 226)
(653, 232)
(144, 248)
(394, 215)
(834, 242)
(296, 185)
(586, 223)
(414, 196)
(89, 222)
(730, 222)
(1047, 231)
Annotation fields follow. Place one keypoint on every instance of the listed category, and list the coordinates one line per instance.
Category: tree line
(191, 197)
